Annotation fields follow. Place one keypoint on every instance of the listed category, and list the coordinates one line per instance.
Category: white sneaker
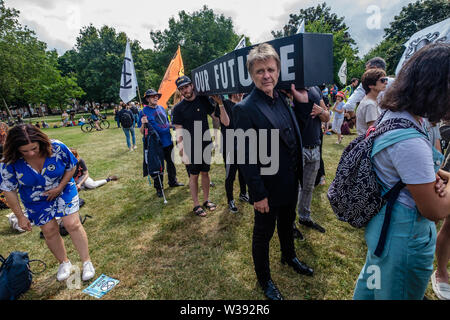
(441, 289)
(134, 147)
(88, 271)
(64, 271)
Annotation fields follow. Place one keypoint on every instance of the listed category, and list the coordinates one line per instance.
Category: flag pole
(139, 93)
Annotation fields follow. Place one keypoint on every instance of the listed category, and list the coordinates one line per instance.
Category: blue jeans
(127, 132)
(406, 264)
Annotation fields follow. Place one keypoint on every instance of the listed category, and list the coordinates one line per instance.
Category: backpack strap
(389, 139)
(42, 262)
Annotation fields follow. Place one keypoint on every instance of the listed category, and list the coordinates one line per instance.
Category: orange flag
(174, 70)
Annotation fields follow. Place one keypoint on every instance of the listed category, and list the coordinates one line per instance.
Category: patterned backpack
(355, 194)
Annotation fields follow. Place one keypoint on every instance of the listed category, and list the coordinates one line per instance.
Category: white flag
(241, 44)
(439, 32)
(128, 80)
(301, 29)
(342, 74)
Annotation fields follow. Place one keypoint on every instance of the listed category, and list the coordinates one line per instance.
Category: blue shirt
(32, 184)
(157, 118)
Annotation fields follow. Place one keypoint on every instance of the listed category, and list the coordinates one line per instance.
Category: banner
(306, 60)
(439, 32)
(167, 86)
(342, 74)
(128, 80)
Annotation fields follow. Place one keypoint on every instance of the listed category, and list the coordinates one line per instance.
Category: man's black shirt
(186, 113)
(310, 128)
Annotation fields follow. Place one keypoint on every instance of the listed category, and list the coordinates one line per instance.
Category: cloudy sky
(58, 22)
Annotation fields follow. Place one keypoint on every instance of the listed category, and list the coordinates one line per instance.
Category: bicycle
(88, 126)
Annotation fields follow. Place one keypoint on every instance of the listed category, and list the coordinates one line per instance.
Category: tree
(309, 15)
(411, 19)
(320, 20)
(203, 35)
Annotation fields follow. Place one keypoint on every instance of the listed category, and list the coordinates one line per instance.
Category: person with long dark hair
(41, 170)
(404, 268)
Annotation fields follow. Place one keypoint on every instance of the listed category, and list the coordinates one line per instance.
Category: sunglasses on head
(383, 80)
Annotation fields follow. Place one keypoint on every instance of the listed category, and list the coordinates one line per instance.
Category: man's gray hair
(262, 52)
(376, 62)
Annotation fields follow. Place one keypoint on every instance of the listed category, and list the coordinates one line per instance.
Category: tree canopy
(203, 36)
(320, 19)
(411, 19)
(28, 72)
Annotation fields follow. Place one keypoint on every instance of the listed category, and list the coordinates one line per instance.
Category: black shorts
(195, 169)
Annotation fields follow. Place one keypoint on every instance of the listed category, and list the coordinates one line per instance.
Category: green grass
(162, 251)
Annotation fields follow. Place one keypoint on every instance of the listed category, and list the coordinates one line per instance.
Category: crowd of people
(48, 174)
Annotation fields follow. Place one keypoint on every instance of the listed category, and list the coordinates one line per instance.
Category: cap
(182, 81)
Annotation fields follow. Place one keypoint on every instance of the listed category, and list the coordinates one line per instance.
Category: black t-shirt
(189, 114)
(310, 128)
(80, 170)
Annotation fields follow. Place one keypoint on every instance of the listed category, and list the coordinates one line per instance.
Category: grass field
(162, 251)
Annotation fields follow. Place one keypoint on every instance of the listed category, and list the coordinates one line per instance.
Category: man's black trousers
(283, 217)
(170, 167)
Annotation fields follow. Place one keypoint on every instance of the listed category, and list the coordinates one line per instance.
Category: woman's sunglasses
(383, 80)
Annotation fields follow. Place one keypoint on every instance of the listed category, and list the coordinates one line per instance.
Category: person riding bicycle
(95, 116)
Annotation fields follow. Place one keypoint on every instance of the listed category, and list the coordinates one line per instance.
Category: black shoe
(159, 193)
(176, 184)
(311, 224)
(298, 266)
(298, 235)
(271, 291)
(232, 206)
(244, 197)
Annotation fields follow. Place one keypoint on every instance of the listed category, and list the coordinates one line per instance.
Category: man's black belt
(311, 147)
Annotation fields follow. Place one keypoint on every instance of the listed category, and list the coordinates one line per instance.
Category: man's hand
(53, 193)
(316, 111)
(262, 206)
(144, 119)
(217, 99)
(441, 185)
(300, 95)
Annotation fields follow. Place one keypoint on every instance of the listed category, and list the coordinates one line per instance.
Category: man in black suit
(272, 192)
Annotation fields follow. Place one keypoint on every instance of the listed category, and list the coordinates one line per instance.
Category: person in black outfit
(191, 124)
(273, 194)
(231, 167)
(310, 116)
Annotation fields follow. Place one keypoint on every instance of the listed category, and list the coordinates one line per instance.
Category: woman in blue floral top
(41, 170)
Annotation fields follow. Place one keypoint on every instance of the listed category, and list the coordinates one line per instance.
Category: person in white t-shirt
(374, 81)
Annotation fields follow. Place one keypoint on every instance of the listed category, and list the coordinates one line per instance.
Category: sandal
(198, 210)
(209, 205)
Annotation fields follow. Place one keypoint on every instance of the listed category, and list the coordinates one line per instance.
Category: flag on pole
(342, 74)
(439, 32)
(301, 29)
(241, 44)
(128, 80)
(168, 86)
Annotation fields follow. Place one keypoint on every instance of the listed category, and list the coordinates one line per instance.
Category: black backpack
(126, 120)
(15, 275)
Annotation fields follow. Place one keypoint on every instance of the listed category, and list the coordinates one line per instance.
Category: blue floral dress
(32, 184)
